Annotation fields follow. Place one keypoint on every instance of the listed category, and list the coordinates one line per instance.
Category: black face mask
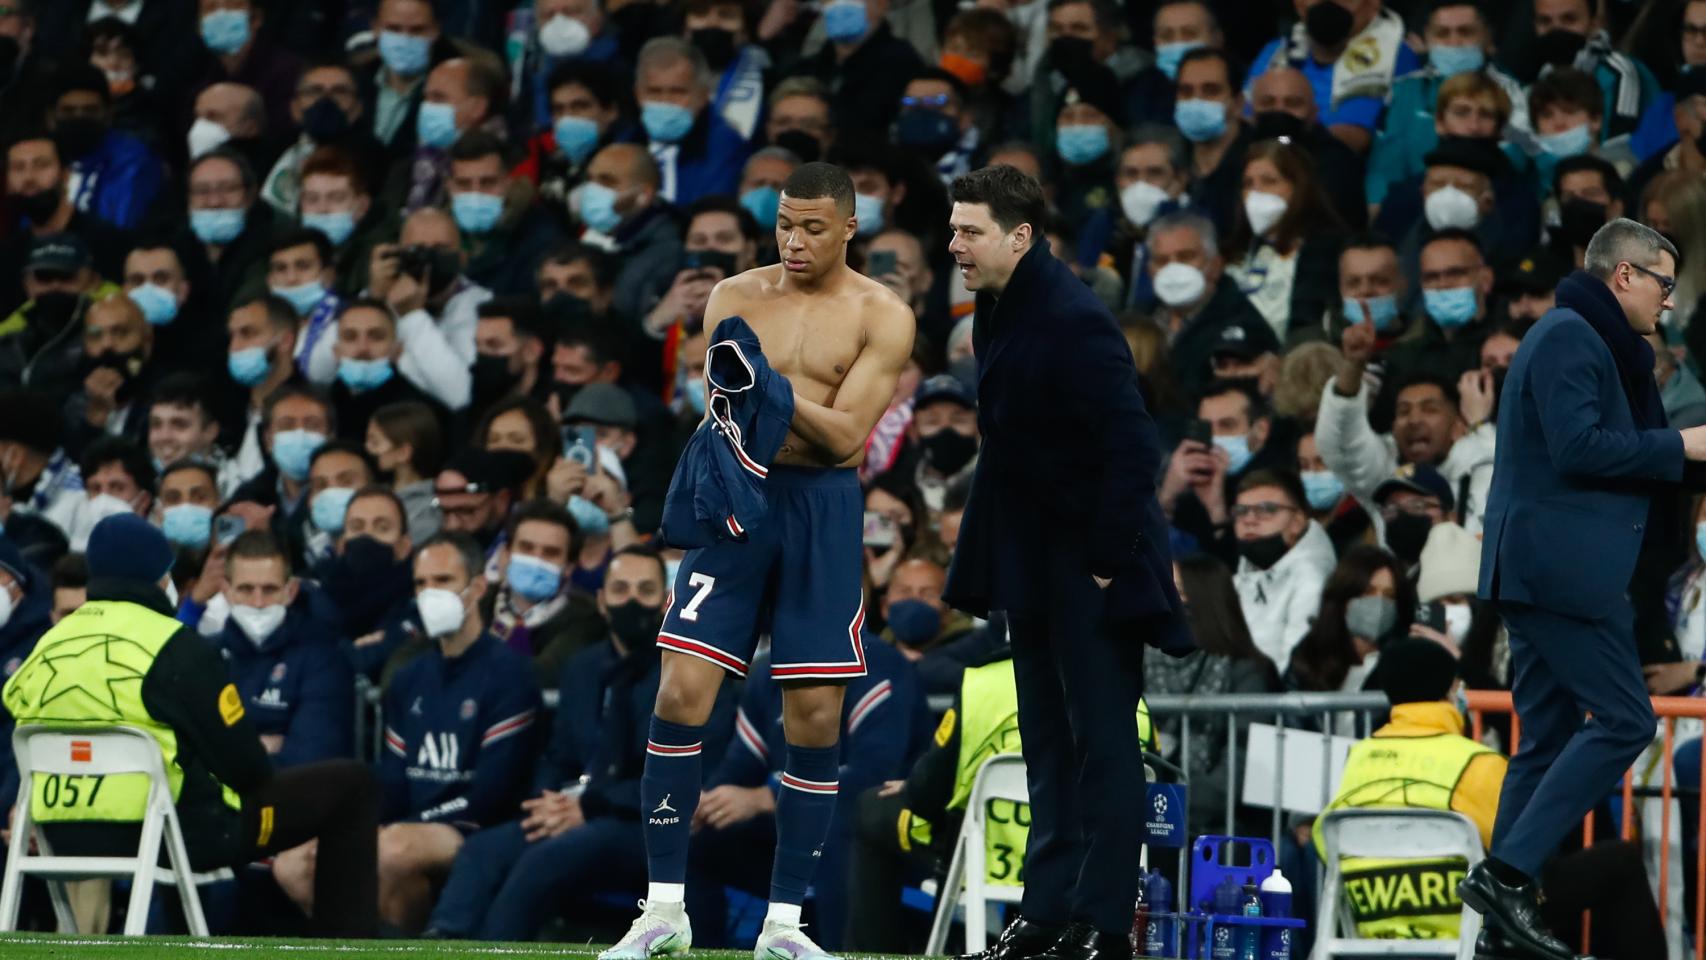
(128, 364)
(79, 137)
(565, 308)
(1579, 220)
(492, 379)
(1277, 123)
(1328, 24)
(37, 207)
(1069, 50)
(1264, 552)
(801, 144)
(948, 450)
(1559, 47)
(634, 623)
(324, 121)
(8, 57)
(929, 131)
(1406, 534)
(365, 581)
(53, 310)
(718, 46)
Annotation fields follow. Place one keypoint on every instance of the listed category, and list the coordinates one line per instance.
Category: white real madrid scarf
(1365, 68)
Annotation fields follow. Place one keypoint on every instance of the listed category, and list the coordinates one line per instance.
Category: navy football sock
(810, 779)
(669, 793)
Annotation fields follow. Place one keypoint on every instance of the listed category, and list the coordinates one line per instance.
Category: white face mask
(171, 589)
(1179, 284)
(1450, 207)
(1264, 210)
(564, 36)
(1140, 200)
(258, 623)
(1458, 616)
(441, 611)
(206, 136)
(7, 605)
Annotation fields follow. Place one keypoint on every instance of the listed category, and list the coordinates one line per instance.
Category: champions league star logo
(1160, 805)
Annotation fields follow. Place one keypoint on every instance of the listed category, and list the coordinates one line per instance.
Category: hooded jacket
(1280, 602)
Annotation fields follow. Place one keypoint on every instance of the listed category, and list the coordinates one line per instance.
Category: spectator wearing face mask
(1198, 302)
(1529, 286)
(183, 511)
(1179, 27)
(864, 63)
(537, 611)
(40, 483)
(410, 41)
(407, 444)
(800, 118)
(328, 110)
(1351, 51)
(621, 205)
(1209, 112)
(463, 95)
(1587, 193)
(940, 642)
(1345, 520)
(1204, 475)
(1284, 557)
(38, 190)
(1368, 601)
(1086, 143)
(118, 379)
(117, 175)
(1572, 35)
(944, 426)
(231, 52)
(1466, 185)
(586, 114)
(1415, 500)
(935, 119)
(117, 479)
(1567, 112)
(294, 423)
(1459, 92)
(644, 458)
(367, 576)
(367, 351)
(505, 231)
(1283, 252)
(1446, 584)
(285, 657)
(1150, 174)
(1283, 107)
(230, 232)
(697, 150)
(523, 425)
(42, 341)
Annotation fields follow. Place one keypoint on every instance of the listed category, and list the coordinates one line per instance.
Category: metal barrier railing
(1669, 710)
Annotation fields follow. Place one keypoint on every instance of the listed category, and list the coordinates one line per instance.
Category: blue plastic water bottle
(1249, 938)
(1276, 902)
(1225, 943)
(1158, 938)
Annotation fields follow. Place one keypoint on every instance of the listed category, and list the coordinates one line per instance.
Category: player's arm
(842, 428)
(188, 689)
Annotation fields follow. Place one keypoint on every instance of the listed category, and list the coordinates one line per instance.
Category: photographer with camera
(420, 278)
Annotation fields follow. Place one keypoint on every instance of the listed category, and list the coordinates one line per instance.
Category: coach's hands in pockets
(727, 805)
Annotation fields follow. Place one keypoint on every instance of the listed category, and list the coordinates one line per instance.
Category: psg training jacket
(717, 492)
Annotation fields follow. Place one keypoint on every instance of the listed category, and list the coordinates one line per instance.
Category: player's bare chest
(796, 343)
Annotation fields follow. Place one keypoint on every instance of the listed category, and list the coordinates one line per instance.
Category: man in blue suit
(1583, 446)
(1063, 532)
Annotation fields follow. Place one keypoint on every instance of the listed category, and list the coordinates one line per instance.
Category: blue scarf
(1589, 297)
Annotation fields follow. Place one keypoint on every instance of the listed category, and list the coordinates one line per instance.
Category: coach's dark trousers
(1078, 688)
(1565, 765)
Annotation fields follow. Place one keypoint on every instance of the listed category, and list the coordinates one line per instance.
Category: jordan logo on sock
(664, 807)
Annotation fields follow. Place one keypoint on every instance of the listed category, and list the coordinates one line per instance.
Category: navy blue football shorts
(798, 577)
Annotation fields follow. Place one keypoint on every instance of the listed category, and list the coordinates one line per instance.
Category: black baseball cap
(1417, 478)
(64, 252)
(1244, 340)
(1539, 271)
(944, 387)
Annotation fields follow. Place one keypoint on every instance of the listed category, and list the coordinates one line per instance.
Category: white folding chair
(1390, 834)
(98, 752)
(1002, 777)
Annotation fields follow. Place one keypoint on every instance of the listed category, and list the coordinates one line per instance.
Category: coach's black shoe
(1513, 912)
(1080, 941)
(1492, 945)
(1022, 940)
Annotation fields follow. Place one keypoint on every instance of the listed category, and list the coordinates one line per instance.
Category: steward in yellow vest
(910, 825)
(121, 659)
(1419, 760)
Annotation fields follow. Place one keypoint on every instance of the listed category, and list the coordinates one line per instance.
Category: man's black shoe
(1022, 940)
(1080, 941)
(1491, 945)
(1513, 912)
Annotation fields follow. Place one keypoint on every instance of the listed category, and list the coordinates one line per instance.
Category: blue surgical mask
(1081, 143)
(869, 210)
(694, 392)
(762, 202)
(187, 525)
(576, 136)
(665, 122)
(589, 516)
(303, 297)
(248, 367)
(403, 54)
(598, 208)
(1237, 451)
(1450, 308)
(1168, 55)
(476, 212)
(364, 375)
(328, 507)
(337, 225)
(1200, 120)
(535, 579)
(293, 449)
(1322, 488)
(1449, 61)
(845, 21)
(435, 125)
(159, 307)
(1569, 143)
(218, 227)
(1383, 310)
(225, 31)
(1700, 537)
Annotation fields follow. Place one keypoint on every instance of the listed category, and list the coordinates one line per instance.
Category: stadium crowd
(390, 315)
